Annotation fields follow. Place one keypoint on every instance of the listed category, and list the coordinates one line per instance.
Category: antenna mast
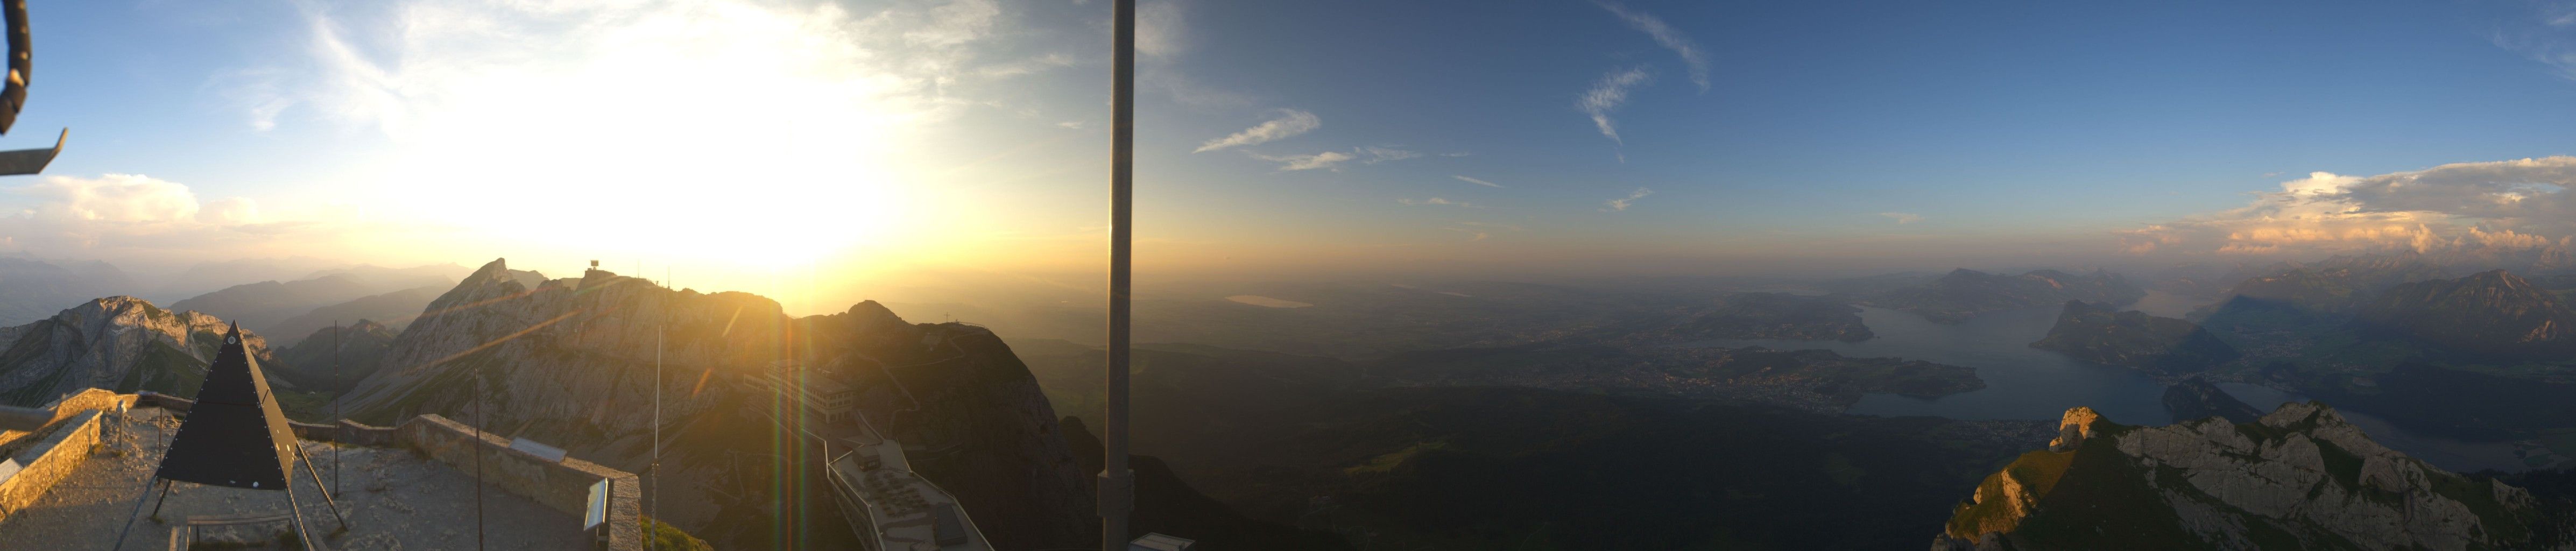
(1117, 484)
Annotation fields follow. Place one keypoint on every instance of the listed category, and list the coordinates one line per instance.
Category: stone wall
(345, 432)
(65, 408)
(562, 486)
(49, 460)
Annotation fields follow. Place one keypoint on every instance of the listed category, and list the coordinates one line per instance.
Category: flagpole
(1117, 483)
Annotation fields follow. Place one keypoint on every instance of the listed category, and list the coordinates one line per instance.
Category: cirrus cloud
(1290, 123)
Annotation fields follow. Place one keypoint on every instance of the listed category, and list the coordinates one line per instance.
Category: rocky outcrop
(119, 343)
(2492, 313)
(1966, 293)
(570, 362)
(2298, 478)
(2100, 333)
(2196, 398)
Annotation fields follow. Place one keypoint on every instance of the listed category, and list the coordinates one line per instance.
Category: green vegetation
(665, 536)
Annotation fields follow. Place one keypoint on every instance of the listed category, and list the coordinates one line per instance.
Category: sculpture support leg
(138, 510)
(317, 484)
(296, 512)
(165, 497)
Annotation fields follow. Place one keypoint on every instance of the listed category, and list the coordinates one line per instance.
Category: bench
(186, 534)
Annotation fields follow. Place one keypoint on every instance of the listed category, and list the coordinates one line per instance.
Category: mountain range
(290, 307)
(2491, 313)
(31, 290)
(1965, 293)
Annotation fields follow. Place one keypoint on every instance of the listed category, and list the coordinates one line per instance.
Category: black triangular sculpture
(234, 435)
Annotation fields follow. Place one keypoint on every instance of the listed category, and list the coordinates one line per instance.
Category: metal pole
(478, 460)
(336, 423)
(656, 467)
(1117, 483)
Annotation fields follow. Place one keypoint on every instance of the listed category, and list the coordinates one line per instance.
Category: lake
(2029, 383)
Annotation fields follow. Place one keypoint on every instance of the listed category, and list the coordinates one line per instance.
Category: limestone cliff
(120, 343)
(2299, 478)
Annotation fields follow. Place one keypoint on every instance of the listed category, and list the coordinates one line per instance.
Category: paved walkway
(395, 500)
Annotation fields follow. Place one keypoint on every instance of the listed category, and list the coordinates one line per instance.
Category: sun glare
(759, 138)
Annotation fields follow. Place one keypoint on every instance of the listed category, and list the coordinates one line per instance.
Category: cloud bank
(2497, 204)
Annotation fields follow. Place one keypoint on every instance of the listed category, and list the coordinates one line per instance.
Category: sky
(815, 151)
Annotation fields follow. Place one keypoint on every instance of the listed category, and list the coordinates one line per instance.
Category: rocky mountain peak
(2074, 427)
(120, 343)
(2301, 477)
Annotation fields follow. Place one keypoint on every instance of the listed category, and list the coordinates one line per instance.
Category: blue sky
(1830, 135)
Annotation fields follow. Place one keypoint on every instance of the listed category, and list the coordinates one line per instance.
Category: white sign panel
(597, 512)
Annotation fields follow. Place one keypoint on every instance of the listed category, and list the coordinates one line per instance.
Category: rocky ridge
(570, 362)
(2300, 477)
(2491, 312)
(119, 343)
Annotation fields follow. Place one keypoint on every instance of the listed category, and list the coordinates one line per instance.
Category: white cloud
(1377, 155)
(1622, 203)
(1159, 29)
(2499, 204)
(956, 22)
(1606, 96)
(1902, 217)
(1332, 160)
(1476, 181)
(1693, 58)
(77, 217)
(1329, 160)
(1290, 123)
(1437, 202)
(128, 198)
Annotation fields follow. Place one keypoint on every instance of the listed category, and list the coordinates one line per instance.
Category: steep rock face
(119, 343)
(310, 361)
(2196, 398)
(570, 362)
(2098, 333)
(2298, 478)
(1966, 293)
(2490, 312)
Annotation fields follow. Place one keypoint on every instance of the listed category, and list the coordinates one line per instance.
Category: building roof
(905, 511)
